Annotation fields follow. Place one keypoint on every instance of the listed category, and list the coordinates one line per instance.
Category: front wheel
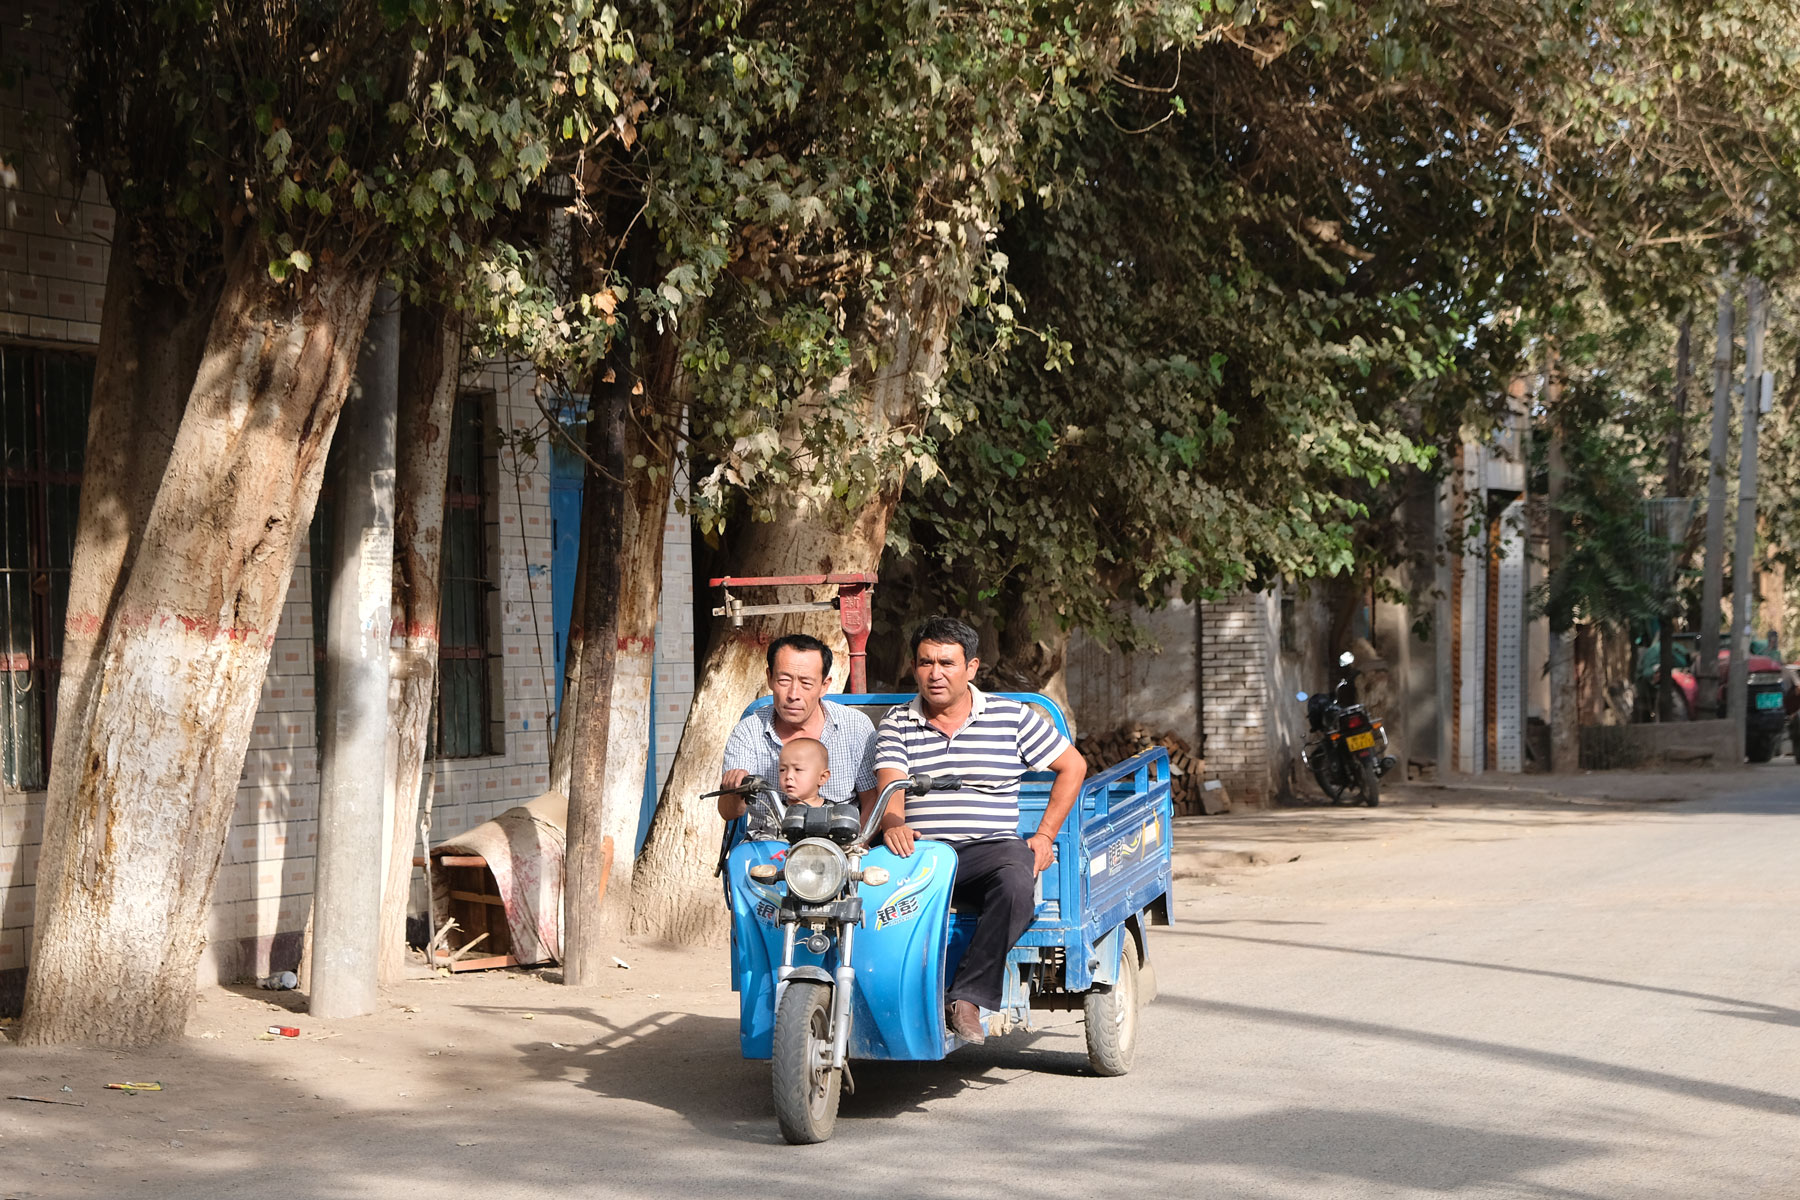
(806, 1084)
(1371, 782)
(1112, 1017)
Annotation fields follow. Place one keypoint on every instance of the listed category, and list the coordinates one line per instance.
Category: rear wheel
(1321, 758)
(806, 1084)
(1760, 747)
(1112, 1016)
(1371, 782)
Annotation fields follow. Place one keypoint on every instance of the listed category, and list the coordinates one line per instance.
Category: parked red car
(1768, 716)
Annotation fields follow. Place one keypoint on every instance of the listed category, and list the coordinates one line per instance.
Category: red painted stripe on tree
(90, 624)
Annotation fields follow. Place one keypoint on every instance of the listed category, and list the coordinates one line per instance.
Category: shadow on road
(1755, 1010)
(1394, 1151)
(1569, 1064)
(691, 1066)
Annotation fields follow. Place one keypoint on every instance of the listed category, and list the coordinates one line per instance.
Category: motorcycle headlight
(816, 870)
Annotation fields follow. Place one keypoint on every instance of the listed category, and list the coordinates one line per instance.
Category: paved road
(1557, 1003)
(1552, 1001)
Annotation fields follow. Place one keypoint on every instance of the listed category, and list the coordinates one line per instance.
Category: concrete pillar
(353, 759)
(1756, 316)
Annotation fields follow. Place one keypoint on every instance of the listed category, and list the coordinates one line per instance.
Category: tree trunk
(586, 934)
(568, 717)
(152, 756)
(151, 342)
(675, 896)
(1033, 652)
(1674, 487)
(640, 553)
(1565, 731)
(430, 365)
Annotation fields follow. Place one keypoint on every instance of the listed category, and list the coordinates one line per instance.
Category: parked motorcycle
(1347, 748)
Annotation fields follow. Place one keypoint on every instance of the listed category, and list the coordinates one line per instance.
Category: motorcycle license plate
(1767, 700)
(1359, 741)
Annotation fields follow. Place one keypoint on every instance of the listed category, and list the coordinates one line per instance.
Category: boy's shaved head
(807, 750)
(804, 765)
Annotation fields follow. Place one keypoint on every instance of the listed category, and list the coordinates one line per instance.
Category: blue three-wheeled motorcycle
(841, 950)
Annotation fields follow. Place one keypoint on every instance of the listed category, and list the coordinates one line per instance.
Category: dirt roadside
(444, 1053)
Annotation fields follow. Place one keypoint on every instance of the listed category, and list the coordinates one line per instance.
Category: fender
(816, 974)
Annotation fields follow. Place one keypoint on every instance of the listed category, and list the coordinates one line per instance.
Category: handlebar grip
(935, 783)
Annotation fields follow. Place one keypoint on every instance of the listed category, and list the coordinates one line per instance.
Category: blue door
(566, 470)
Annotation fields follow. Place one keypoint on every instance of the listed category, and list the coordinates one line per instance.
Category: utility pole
(1674, 487)
(353, 824)
(1706, 671)
(1743, 570)
(1565, 730)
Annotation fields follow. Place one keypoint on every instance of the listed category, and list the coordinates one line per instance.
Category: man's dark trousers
(996, 876)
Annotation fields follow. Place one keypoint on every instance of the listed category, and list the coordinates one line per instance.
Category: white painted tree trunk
(633, 723)
(676, 897)
(610, 736)
(430, 360)
(146, 763)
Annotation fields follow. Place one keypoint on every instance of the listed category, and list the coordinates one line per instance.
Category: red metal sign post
(854, 603)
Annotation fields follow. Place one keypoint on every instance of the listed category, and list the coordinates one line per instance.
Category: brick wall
(55, 230)
(1152, 687)
(1237, 647)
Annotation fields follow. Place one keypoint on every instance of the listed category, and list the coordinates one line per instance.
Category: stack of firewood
(1188, 770)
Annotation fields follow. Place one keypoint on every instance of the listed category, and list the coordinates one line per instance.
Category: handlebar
(915, 785)
(750, 783)
(755, 786)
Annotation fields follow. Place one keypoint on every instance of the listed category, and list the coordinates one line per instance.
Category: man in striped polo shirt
(954, 728)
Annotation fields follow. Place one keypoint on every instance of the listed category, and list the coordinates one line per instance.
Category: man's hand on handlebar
(899, 839)
(731, 802)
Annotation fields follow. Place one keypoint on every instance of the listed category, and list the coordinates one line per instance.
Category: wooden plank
(476, 964)
(454, 860)
(476, 898)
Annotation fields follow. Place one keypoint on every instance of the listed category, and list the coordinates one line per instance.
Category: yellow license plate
(1360, 741)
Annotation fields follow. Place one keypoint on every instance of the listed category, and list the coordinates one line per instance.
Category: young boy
(802, 769)
(800, 772)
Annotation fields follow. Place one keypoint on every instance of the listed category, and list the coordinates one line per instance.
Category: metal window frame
(472, 416)
(37, 477)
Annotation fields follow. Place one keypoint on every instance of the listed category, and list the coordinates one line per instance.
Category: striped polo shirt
(998, 743)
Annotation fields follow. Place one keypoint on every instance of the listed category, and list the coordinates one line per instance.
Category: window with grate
(44, 398)
(463, 725)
